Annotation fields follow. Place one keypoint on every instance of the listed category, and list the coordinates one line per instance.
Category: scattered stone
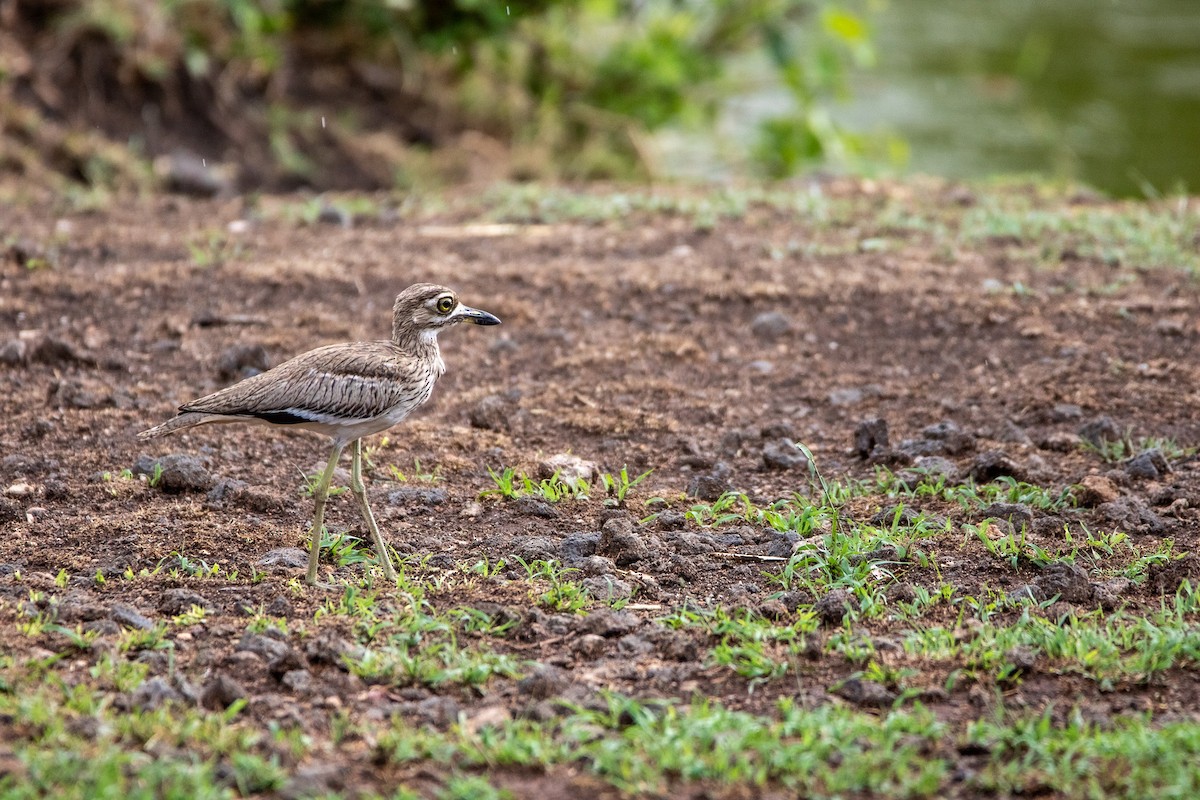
(901, 593)
(684, 569)
(711, 486)
(242, 361)
(154, 693)
(931, 466)
(1166, 577)
(536, 508)
(411, 495)
(177, 472)
(869, 436)
(12, 511)
(1059, 442)
(619, 542)
(578, 546)
(633, 645)
(1068, 581)
(328, 647)
(782, 454)
(1022, 593)
(280, 607)
(607, 589)
(545, 682)
(570, 469)
(953, 439)
(994, 464)
(770, 325)
(224, 489)
(287, 557)
(1110, 594)
(1065, 412)
(173, 602)
(781, 544)
(1018, 515)
(773, 609)
(268, 648)
(534, 548)
(298, 680)
(221, 692)
(491, 413)
(315, 780)
(1100, 430)
(866, 694)
(1150, 465)
(129, 617)
(596, 565)
(330, 214)
(1132, 515)
(668, 520)
(589, 646)
(833, 607)
(608, 623)
(845, 397)
(1010, 432)
(1023, 657)
(694, 544)
(1096, 490)
(781, 429)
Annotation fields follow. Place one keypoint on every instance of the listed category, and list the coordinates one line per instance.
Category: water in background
(1106, 92)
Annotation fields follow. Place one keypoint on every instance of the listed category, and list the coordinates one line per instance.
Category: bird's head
(424, 309)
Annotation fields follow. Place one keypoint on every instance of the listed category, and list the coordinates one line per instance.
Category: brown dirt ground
(625, 343)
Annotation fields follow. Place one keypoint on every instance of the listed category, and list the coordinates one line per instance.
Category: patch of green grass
(561, 593)
(970, 495)
(1126, 447)
(511, 484)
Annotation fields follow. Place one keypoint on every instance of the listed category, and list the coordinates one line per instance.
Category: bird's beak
(477, 317)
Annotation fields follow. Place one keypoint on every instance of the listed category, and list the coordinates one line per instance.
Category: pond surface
(1103, 92)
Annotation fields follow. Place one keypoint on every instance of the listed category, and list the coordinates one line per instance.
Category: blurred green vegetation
(378, 93)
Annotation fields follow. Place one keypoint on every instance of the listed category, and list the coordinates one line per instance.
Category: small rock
(608, 623)
(770, 325)
(220, 692)
(1023, 657)
(298, 680)
(129, 617)
(335, 215)
(1022, 593)
(270, 649)
(177, 472)
(773, 609)
(954, 440)
(1110, 594)
(1065, 412)
(867, 694)
(670, 520)
(846, 397)
(1132, 515)
(994, 464)
(1010, 432)
(782, 454)
(695, 544)
(833, 607)
(1068, 581)
(607, 589)
(619, 542)
(154, 693)
(1150, 464)
(578, 546)
(280, 607)
(710, 487)
(1095, 490)
(781, 544)
(1018, 515)
(1059, 442)
(534, 548)
(869, 435)
(288, 557)
(491, 413)
(242, 360)
(781, 429)
(590, 645)
(596, 565)
(1100, 430)
(173, 602)
(187, 173)
(570, 469)
(684, 570)
(536, 508)
(633, 645)
(329, 648)
(545, 682)
(410, 495)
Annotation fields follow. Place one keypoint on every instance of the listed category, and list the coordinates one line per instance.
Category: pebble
(1096, 490)
(1100, 430)
(289, 557)
(129, 617)
(411, 495)
(180, 472)
(571, 469)
(770, 325)
(534, 548)
(993, 464)
(545, 682)
(242, 361)
(173, 602)
(578, 546)
(220, 692)
(1150, 464)
(782, 454)
(1068, 581)
(607, 589)
(491, 413)
(867, 694)
(621, 543)
(869, 435)
(833, 607)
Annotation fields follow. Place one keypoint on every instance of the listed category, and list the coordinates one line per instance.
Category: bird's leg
(360, 491)
(321, 493)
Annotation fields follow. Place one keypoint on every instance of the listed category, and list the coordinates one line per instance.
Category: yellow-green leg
(360, 491)
(321, 494)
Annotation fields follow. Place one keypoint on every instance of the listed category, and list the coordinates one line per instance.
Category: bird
(345, 391)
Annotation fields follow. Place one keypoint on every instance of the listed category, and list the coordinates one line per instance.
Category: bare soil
(639, 343)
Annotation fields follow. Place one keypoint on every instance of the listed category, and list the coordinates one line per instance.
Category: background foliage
(379, 93)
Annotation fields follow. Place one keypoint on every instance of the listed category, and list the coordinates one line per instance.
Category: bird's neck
(422, 344)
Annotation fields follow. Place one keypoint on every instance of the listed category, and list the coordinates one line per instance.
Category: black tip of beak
(477, 317)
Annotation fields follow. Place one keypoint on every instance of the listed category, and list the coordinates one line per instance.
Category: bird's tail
(188, 419)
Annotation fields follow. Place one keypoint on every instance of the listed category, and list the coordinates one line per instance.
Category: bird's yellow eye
(444, 304)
